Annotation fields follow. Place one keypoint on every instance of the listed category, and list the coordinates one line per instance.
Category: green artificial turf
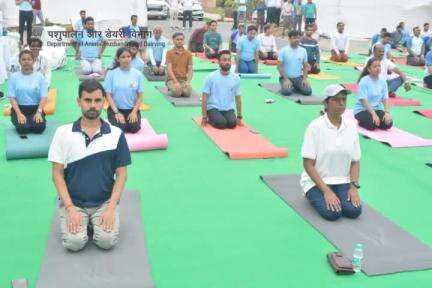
(210, 221)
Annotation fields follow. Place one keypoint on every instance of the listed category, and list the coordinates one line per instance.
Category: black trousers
(222, 119)
(125, 127)
(314, 68)
(277, 15)
(428, 81)
(235, 19)
(25, 19)
(30, 126)
(196, 47)
(187, 14)
(211, 55)
(364, 119)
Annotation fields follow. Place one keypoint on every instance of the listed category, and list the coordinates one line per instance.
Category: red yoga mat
(425, 113)
(201, 55)
(242, 142)
(270, 62)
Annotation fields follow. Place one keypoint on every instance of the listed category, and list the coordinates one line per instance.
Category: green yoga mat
(30, 145)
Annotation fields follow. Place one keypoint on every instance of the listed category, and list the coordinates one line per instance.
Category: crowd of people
(331, 169)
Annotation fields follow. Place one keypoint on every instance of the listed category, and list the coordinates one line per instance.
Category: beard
(91, 114)
(225, 67)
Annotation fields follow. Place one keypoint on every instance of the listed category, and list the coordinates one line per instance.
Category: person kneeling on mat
(312, 49)
(136, 61)
(416, 49)
(27, 92)
(89, 170)
(371, 108)
(331, 160)
(293, 67)
(212, 41)
(124, 86)
(268, 48)
(339, 44)
(157, 47)
(179, 67)
(220, 89)
(247, 52)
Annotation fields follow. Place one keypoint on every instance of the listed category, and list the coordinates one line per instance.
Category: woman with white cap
(331, 160)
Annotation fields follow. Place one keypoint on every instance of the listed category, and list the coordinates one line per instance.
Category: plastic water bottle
(357, 258)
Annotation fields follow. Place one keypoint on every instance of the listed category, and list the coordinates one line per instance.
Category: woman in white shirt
(331, 157)
(268, 48)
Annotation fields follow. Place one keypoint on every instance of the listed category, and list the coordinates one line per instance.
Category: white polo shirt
(332, 149)
(267, 43)
(340, 42)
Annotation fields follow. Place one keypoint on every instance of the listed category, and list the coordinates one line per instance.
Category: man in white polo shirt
(89, 170)
(416, 49)
(331, 157)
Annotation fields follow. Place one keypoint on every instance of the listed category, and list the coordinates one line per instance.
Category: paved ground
(356, 46)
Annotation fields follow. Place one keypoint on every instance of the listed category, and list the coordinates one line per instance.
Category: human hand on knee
(305, 82)
(287, 84)
(21, 118)
(353, 196)
(133, 117)
(120, 118)
(332, 201)
(387, 118)
(38, 118)
(107, 219)
(74, 220)
(375, 119)
(155, 69)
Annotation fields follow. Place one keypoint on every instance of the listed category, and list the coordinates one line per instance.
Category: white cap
(334, 89)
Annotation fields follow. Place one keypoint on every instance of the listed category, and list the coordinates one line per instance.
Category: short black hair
(222, 52)
(293, 33)
(25, 52)
(425, 24)
(387, 34)
(175, 35)
(383, 29)
(134, 16)
(212, 21)
(340, 23)
(133, 43)
(87, 19)
(251, 28)
(309, 26)
(35, 39)
(90, 86)
(82, 11)
(416, 27)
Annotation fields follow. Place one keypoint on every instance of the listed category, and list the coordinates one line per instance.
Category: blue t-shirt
(221, 90)
(293, 60)
(25, 6)
(375, 39)
(27, 89)
(157, 47)
(90, 44)
(138, 63)
(247, 48)
(212, 39)
(374, 91)
(428, 60)
(309, 10)
(124, 85)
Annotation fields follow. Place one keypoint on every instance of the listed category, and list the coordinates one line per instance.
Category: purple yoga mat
(394, 137)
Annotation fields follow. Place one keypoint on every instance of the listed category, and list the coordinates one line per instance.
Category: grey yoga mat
(387, 247)
(298, 98)
(193, 100)
(126, 265)
(151, 77)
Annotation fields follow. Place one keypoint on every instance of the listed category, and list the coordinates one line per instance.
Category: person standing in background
(25, 19)
(187, 13)
(271, 11)
(261, 10)
(278, 10)
(234, 7)
(298, 15)
(173, 13)
(37, 12)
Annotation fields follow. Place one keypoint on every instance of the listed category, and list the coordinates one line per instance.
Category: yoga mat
(126, 265)
(323, 76)
(349, 63)
(400, 60)
(33, 146)
(425, 113)
(300, 99)
(393, 137)
(387, 247)
(49, 107)
(193, 100)
(351, 86)
(242, 142)
(146, 138)
(151, 77)
(202, 56)
(255, 75)
(94, 76)
(270, 62)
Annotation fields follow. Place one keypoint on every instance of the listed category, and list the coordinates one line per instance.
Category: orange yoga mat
(242, 142)
(49, 107)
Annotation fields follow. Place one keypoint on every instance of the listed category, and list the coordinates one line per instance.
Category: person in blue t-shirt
(212, 41)
(371, 109)
(248, 52)
(91, 46)
(310, 12)
(157, 47)
(293, 67)
(27, 92)
(136, 61)
(377, 38)
(124, 86)
(427, 80)
(221, 93)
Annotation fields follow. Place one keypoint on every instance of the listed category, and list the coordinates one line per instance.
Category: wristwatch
(355, 184)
